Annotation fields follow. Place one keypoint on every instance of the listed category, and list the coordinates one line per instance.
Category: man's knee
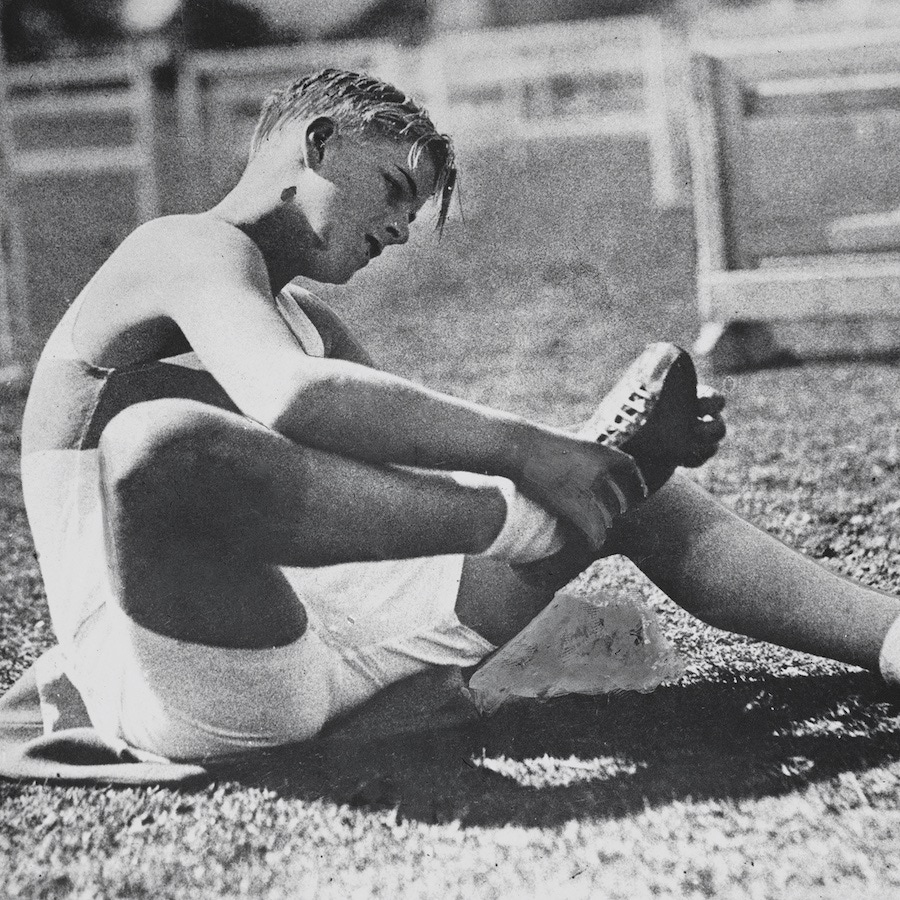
(153, 452)
(170, 477)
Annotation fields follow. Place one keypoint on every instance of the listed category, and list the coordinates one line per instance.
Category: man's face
(372, 197)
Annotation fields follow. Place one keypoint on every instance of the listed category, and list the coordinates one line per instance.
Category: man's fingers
(708, 434)
(709, 401)
(710, 430)
(610, 501)
(700, 454)
(620, 498)
(594, 515)
(709, 426)
(588, 485)
(593, 529)
(586, 512)
(625, 474)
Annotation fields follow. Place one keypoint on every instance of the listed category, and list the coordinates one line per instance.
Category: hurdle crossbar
(578, 79)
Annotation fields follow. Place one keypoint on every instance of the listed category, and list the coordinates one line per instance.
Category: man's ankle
(556, 571)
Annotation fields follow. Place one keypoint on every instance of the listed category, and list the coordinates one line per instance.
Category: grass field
(762, 773)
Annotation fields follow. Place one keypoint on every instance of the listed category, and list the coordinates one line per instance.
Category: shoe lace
(632, 411)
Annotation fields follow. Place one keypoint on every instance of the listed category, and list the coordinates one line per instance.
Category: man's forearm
(370, 415)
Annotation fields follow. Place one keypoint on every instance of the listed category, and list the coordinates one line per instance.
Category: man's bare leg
(734, 576)
(202, 506)
(715, 565)
(498, 600)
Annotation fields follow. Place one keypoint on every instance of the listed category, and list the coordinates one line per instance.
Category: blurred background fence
(114, 111)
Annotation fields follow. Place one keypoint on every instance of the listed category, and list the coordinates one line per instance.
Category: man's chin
(331, 277)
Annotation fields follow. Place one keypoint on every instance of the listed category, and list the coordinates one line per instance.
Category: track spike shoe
(651, 413)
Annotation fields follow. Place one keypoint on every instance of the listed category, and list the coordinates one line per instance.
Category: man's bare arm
(340, 342)
(225, 310)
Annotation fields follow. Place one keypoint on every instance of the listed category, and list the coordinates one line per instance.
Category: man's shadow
(603, 757)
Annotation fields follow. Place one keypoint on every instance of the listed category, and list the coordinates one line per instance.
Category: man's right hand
(584, 483)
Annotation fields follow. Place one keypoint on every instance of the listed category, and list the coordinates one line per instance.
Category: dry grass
(763, 773)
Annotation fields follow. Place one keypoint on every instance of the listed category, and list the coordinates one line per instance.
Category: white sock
(529, 532)
(889, 658)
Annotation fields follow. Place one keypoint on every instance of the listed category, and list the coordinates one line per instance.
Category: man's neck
(273, 230)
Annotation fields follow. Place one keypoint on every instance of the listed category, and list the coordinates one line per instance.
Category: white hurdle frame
(116, 84)
(12, 258)
(510, 67)
(828, 73)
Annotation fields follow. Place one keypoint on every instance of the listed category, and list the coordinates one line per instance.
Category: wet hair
(365, 105)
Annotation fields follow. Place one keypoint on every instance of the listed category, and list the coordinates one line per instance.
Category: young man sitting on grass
(241, 544)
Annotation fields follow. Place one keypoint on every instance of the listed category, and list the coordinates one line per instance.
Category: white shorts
(184, 701)
(369, 625)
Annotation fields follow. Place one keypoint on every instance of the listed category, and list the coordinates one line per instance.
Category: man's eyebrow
(412, 185)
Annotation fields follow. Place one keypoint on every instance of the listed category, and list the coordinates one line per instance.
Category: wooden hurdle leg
(666, 189)
(12, 261)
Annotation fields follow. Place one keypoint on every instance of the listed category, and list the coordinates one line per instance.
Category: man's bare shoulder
(166, 270)
(339, 340)
(193, 241)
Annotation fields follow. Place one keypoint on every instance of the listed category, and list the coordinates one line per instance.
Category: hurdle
(595, 78)
(220, 94)
(762, 219)
(118, 86)
(70, 118)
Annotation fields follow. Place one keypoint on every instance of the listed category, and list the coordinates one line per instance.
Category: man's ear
(318, 133)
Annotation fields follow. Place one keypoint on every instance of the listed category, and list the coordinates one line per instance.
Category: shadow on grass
(588, 758)
(885, 355)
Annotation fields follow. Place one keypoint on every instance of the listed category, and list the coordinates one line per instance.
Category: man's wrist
(515, 450)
